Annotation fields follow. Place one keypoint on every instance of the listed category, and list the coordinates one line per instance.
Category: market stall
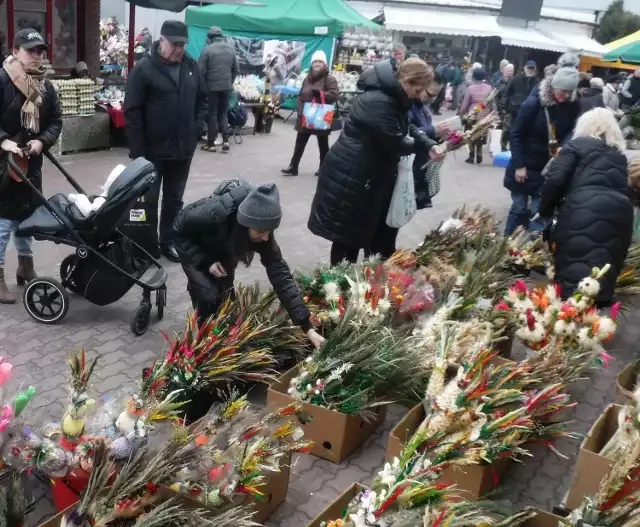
(276, 40)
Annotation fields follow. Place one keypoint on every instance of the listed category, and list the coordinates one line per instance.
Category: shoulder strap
(550, 127)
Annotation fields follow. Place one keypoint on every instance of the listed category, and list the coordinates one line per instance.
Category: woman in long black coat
(587, 184)
(359, 172)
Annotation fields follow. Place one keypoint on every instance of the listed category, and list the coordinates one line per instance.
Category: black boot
(471, 159)
(290, 171)
(479, 155)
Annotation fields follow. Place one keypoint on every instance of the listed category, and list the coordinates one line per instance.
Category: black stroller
(106, 264)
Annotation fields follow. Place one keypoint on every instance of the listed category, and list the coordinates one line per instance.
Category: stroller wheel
(141, 318)
(46, 300)
(161, 301)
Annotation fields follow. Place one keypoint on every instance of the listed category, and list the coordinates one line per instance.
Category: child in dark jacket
(421, 118)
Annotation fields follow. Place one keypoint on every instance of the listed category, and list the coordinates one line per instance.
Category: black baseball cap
(174, 31)
(28, 39)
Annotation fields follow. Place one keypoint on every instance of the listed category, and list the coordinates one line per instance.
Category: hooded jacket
(17, 201)
(530, 136)
(587, 184)
(203, 237)
(358, 174)
(591, 98)
(219, 65)
(164, 118)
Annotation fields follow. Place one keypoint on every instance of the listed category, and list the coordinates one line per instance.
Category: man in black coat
(219, 67)
(165, 107)
(26, 130)
(215, 234)
(515, 93)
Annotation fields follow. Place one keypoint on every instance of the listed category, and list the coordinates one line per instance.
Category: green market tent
(281, 17)
(628, 53)
(315, 22)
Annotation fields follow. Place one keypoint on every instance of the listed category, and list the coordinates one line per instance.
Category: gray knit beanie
(567, 76)
(261, 210)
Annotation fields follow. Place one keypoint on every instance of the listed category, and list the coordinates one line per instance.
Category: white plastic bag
(495, 141)
(403, 201)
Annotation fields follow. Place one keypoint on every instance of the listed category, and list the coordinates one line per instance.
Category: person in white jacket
(611, 95)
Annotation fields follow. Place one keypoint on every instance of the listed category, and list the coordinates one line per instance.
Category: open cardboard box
(335, 509)
(626, 382)
(591, 467)
(335, 435)
(475, 480)
(543, 519)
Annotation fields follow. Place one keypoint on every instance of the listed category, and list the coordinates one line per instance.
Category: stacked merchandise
(86, 101)
(68, 95)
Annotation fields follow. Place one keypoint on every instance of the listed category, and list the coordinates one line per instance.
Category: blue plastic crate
(501, 159)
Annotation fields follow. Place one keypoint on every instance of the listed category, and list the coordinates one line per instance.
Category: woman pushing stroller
(215, 234)
(30, 122)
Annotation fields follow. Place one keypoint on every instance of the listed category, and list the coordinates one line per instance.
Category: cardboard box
(275, 491)
(626, 383)
(335, 510)
(504, 347)
(591, 467)
(335, 435)
(474, 480)
(543, 519)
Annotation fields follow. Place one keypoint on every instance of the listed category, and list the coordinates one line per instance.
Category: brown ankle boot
(25, 272)
(6, 296)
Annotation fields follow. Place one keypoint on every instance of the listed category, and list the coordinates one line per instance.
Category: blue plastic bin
(501, 159)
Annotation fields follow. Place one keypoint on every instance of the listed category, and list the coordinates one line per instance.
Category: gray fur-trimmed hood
(546, 96)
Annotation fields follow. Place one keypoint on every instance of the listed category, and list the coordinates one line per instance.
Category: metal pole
(132, 30)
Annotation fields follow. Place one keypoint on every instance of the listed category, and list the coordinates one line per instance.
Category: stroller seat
(43, 220)
(52, 219)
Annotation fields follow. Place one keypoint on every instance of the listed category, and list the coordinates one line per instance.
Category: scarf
(30, 84)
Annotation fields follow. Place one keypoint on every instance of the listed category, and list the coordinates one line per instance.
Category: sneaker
(218, 141)
(225, 146)
(207, 148)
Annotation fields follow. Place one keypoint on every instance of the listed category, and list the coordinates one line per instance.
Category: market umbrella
(627, 53)
(180, 5)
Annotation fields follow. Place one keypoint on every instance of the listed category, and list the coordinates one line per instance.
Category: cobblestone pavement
(38, 352)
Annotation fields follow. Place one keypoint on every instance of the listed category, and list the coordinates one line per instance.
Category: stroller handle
(54, 161)
(66, 174)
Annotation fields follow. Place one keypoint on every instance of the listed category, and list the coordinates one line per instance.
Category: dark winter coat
(421, 118)
(17, 201)
(516, 92)
(590, 98)
(322, 81)
(203, 237)
(218, 65)
(358, 174)
(587, 183)
(530, 136)
(164, 118)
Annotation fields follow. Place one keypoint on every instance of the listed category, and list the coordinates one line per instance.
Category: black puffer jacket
(516, 92)
(164, 118)
(358, 174)
(17, 201)
(587, 183)
(203, 231)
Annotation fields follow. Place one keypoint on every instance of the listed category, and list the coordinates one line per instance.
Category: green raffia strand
(259, 498)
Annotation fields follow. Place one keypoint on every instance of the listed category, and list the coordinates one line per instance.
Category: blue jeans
(521, 214)
(23, 245)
